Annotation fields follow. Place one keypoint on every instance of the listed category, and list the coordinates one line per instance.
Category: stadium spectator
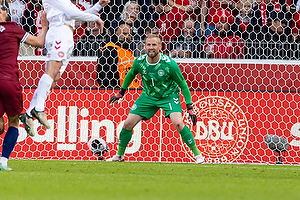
(16, 10)
(86, 4)
(223, 43)
(116, 59)
(170, 21)
(296, 28)
(189, 6)
(80, 28)
(31, 16)
(59, 43)
(161, 77)
(242, 21)
(11, 35)
(112, 11)
(131, 16)
(116, 7)
(271, 41)
(297, 5)
(292, 6)
(261, 13)
(188, 44)
(291, 10)
(147, 12)
(90, 44)
(192, 9)
(209, 8)
(152, 28)
(31, 21)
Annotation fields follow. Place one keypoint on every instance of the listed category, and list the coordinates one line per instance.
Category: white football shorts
(59, 44)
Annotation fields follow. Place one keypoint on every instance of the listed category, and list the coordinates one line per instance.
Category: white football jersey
(60, 12)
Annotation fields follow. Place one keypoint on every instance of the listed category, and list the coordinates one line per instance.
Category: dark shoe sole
(22, 118)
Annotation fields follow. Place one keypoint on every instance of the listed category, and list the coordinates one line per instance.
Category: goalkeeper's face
(152, 46)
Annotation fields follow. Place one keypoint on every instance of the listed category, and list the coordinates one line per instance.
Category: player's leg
(36, 108)
(59, 47)
(12, 101)
(126, 132)
(9, 141)
(186, 135)
(55, 80)
(143, 108)
(39, 97)
(46, 82)
(125, 136)
(173, 110)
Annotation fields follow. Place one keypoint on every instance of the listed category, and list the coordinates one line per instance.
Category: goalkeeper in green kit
(161, 77)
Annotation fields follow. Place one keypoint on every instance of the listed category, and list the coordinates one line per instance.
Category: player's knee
(178, 125)
(13, 121)
(128, 125)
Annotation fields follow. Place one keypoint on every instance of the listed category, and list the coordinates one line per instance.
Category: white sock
(42, 92)
(32, 103)
(3, 161)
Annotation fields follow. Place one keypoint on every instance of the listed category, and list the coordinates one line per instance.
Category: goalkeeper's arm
(188, 99)
(186, 92)
(128, 79)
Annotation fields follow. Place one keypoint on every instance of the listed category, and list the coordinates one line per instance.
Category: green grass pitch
(85, 180)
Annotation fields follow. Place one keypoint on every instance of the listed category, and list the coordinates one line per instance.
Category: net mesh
(244, 85)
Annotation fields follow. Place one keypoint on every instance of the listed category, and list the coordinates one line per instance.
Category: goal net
(240, 93)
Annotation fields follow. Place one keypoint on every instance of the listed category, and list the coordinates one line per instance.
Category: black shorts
(11, 99)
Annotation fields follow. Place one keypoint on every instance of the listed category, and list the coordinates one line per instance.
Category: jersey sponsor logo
(57, 44)
(61, 54)
(222, 130)
(176, 100)
(2, 28)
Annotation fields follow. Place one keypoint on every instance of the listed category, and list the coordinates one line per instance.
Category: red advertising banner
(237, 107)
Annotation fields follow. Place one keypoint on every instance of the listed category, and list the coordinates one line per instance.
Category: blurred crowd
(233, 29)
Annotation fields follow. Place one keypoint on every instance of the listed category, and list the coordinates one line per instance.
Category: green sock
(188, 138)
(125, 137)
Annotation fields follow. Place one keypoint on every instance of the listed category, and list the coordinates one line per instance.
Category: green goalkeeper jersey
(160, 79)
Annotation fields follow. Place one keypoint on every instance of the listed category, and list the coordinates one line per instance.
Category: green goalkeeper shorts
(146, 106)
